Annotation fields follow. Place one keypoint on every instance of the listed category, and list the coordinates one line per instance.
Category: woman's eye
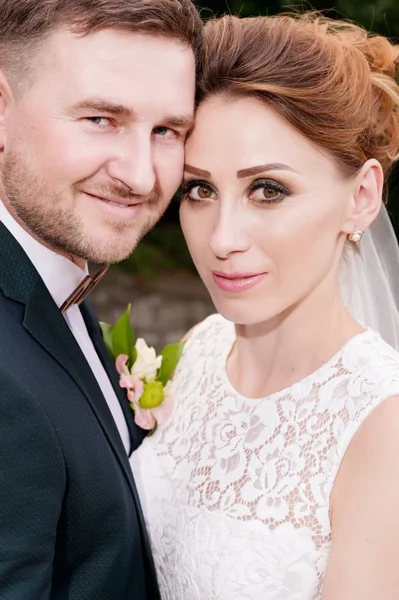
(197, 192)
(200, 192)
(203, 192)
(268, 191)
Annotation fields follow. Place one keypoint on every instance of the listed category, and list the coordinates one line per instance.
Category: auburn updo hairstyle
(333, 81)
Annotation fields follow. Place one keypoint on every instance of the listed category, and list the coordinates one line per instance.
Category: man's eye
(164, 131)
(101, 121)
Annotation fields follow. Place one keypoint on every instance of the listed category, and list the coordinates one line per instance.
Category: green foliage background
(164, 248)
(381, 16)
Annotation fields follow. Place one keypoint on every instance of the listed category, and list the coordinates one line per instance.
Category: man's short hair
(25, 25)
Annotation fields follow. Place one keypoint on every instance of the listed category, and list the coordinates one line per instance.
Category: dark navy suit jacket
(71, 525)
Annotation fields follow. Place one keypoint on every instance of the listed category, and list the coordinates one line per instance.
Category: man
(96, 99)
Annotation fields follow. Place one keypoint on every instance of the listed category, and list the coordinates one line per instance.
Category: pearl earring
(355, 236)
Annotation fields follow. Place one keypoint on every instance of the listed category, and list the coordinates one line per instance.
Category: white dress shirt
(61, 276)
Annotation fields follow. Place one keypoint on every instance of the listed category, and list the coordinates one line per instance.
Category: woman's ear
(366, 197)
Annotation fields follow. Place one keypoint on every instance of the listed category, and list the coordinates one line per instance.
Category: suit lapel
(20, 281)
(136, 434)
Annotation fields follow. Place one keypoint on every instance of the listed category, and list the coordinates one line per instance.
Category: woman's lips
(237, 282)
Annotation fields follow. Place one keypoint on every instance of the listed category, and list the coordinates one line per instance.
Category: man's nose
(133, 164)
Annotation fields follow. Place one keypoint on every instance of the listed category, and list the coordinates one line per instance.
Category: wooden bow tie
(83, 289)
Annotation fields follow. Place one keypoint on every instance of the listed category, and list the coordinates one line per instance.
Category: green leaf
(170, 357)
(107, 330)
(133, 353)
(123, 337)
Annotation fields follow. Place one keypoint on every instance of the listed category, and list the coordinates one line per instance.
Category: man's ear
(366, 197)
(6, 98)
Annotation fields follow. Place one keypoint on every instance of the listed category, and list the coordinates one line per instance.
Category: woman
(276, 475)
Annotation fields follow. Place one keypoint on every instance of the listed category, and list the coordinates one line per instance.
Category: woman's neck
(274, 355)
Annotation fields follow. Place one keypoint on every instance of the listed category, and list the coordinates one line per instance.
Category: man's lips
(119, 202)
(237, 282)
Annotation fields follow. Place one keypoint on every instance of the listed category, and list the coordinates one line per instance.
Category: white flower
(147, 362)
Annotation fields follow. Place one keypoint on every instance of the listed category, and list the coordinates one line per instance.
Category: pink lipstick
(236, 282)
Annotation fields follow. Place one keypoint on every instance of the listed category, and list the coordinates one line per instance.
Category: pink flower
(133, 385)
(146, 418)
(135, 391)
(121, 365)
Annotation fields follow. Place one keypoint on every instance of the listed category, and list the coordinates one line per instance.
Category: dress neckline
(318, 373)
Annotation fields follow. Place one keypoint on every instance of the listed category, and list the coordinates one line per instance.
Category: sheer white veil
(370, 280)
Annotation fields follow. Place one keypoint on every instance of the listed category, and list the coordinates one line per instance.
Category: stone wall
(162, 310)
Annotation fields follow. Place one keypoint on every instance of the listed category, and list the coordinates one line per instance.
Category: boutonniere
(145, 375)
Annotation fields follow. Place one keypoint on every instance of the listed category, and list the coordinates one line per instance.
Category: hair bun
(331, 79)
(380, 58)
(381, 55)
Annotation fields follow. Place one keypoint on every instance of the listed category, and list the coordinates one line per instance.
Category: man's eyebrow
(180, 122)
(102, 106)
(196, 171)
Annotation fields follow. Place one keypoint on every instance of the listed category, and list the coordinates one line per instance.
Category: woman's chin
(240, 315)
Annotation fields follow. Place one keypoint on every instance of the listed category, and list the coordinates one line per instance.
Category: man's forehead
(126, 72)
(108, 44)
(112, 58)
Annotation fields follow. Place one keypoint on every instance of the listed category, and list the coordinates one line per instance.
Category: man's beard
(45, 214)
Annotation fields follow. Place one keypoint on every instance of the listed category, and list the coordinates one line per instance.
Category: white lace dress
(236, 491)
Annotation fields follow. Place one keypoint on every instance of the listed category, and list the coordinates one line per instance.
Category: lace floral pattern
(236, 491)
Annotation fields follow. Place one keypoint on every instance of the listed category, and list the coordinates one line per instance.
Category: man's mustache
(117, 191)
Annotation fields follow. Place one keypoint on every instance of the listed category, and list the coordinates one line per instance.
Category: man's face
(93, 150)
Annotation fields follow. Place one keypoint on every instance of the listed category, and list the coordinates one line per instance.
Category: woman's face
(263, 210)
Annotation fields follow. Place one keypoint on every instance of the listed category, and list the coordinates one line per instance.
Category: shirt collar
(60, 275)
